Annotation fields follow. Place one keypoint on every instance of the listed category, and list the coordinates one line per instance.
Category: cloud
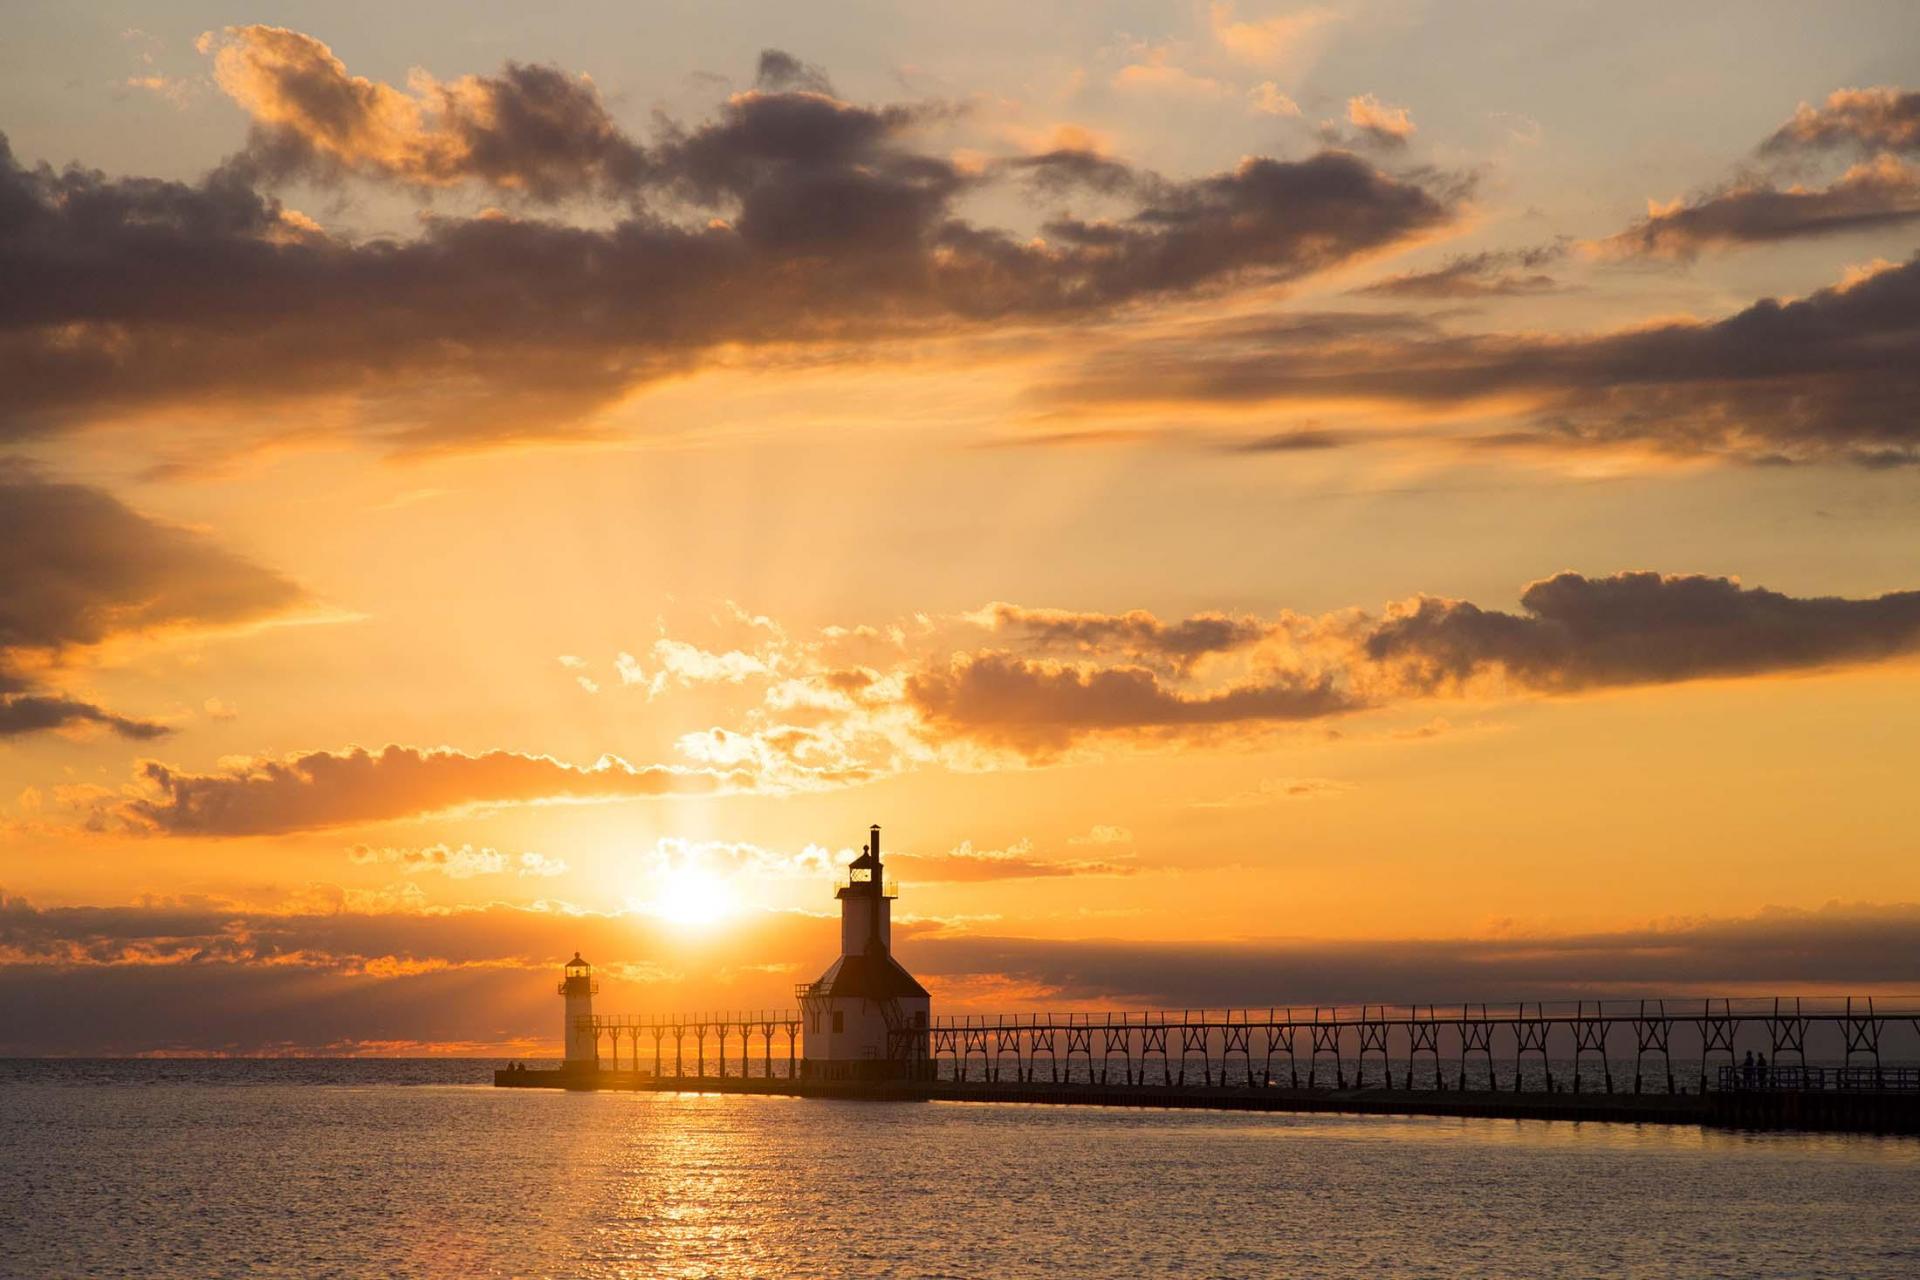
(1874, 194)
(781, 72)
(1775, 951)
(78, 568)
(1865, 120)
(1879, 191)
(195, 975)
(1580, 633)
(1490, 274)
(673, 854)
(1266, 99)
(531, 130)
(173, 90)
(1388, 126)
(321, 789)
(463, 863)
(1157, 75)
(1137, 633)
(1104, 834)
(1063, 169)
(966, 864)
(1832, 375)
(1264, 41)
(327, 973)
(1573, 633)
(974, 689)
(1040, 707)
(789, 218)
(30, 712)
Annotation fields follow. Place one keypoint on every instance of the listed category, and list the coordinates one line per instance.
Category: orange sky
(1221, 485)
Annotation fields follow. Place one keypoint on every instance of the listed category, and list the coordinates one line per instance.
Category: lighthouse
(866, 1018)
(577, 987)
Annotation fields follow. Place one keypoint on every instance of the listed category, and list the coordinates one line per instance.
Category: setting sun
(693, 898)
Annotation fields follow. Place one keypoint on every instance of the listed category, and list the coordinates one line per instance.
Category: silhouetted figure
(1760, 1069)
(1746, 1071)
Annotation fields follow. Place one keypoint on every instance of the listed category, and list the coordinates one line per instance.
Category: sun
(694, 898)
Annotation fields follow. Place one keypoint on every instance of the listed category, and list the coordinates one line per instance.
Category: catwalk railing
(1655, 1042)
(651, 1031)
(1764, 1077)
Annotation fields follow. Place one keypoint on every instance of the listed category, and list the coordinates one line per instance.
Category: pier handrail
(1692, 1009)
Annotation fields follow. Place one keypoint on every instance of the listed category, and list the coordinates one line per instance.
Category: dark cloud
(1295, 216)
(1777, 951)
(197, 976)
(1638, 628)
(1492, 274)
(1833, 375)
(330, 975)
(31, 713)
(1865, 120)
(1133, 676)
(78, 567)
(781, 72)
(323, 789)
(1878, 194)
(1137, 633)
(1039, 707)
(1068, 169)
(531, 130)
(791, 217)
(1292, 442)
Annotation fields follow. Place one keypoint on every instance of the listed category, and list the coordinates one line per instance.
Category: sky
(1264, 504)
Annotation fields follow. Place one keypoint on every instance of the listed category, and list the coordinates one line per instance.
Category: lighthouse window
(839, 1021)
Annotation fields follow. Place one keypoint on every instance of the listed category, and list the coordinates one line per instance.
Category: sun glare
(693, 898)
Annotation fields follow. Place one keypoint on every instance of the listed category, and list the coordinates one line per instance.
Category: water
(315, 1169)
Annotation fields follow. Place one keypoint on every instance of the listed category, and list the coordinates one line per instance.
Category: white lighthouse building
(577, 988)
(866, 1018)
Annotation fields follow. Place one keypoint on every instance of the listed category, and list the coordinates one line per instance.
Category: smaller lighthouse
(577, 987)
(866, 1018)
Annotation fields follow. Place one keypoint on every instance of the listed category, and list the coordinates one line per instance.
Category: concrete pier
(1858, 1110)
(1629, 1108)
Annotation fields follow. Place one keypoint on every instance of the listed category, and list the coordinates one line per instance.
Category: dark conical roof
(872, 976)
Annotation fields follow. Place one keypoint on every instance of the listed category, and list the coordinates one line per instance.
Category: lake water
(207, 1169)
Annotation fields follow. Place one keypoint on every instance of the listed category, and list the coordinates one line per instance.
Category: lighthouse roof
(874, 975)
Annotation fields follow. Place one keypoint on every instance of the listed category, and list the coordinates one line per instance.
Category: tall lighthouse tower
(577, 987)
(866, 1018)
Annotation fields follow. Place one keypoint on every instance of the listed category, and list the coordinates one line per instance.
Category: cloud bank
(331, 978)
(791, 217)
(322, 789)
(78, 568)
(1830, 376)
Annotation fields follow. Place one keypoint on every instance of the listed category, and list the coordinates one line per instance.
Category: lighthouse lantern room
(866, 1018)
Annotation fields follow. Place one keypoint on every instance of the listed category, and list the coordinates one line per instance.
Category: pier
(865, 1029)
(1643, 1061)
